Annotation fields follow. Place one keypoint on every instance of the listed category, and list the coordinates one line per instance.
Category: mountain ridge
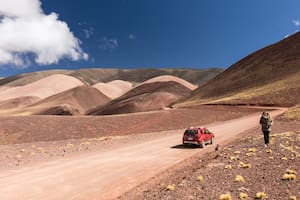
(92, 76)
(272, 64)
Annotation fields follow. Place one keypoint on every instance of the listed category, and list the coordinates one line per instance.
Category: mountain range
(267, 77)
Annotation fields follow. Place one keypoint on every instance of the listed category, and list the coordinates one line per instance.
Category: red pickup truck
(197, 136)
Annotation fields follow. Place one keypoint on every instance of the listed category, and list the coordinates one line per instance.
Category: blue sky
(160, 33)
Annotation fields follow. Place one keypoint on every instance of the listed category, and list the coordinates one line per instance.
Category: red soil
(114, 89)
(145, 97)
(264, 175)
(18, 102)
(42, 88)
(23, 129)
(78, 99)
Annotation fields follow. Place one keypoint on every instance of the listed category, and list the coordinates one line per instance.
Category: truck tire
(212, 141)
(202, 144)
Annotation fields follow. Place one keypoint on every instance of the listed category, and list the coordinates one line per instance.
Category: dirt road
(107, 175)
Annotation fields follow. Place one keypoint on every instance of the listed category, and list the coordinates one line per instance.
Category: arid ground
(39, 138)
(95, 160)
(261, 170)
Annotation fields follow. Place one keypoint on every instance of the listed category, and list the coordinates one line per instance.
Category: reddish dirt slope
(271, 70)
(42, 88)
(145, 97)
(167, 78)
(24, 129)
(18, 102)
(73, 101)
(114, 89)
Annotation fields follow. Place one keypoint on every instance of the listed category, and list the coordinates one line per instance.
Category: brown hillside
(18, 102)
(113, 89)
(268, 76)
(95, 75)
(194, 76)
(145, 97)
(42, 88)
(75, 101)
(62, 109)
(71, 102)
(24, 79)
(167, 78)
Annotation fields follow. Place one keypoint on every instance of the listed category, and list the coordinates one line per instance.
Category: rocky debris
(256, 172)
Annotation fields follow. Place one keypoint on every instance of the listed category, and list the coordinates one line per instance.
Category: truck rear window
(190, 132)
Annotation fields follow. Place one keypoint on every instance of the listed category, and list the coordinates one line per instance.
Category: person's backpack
(266, 123)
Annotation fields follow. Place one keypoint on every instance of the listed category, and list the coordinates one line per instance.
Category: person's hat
(265, 114)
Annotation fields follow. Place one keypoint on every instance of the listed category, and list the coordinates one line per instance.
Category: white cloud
(86, 29)
(131, 36)
(20, 8)
(108, 43)
(26, 29)
(88, 32)
(296, 22)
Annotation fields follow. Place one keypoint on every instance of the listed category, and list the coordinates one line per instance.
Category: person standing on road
(266, 123)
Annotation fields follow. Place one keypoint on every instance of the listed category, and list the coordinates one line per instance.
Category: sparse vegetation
(228, 167)
(226, 196)
(293, 113)
(293, 197)
(250, 175)
(252, 150)
(269, 151)
(200, 178)
(233, 158)
(289, 175)
(261, 195)
(239, 178)
(237, 152)
(245, 165)
(171, 187)
(243, 195)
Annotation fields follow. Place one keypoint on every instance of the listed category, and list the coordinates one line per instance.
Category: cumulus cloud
(131, 36)
(296, 22)
(108, 43)
(26, 29)
(20, 8)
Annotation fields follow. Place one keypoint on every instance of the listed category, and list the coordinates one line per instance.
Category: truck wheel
(203, 144)
(212, 141)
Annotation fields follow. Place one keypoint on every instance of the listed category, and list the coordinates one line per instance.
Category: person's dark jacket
(266, 123)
